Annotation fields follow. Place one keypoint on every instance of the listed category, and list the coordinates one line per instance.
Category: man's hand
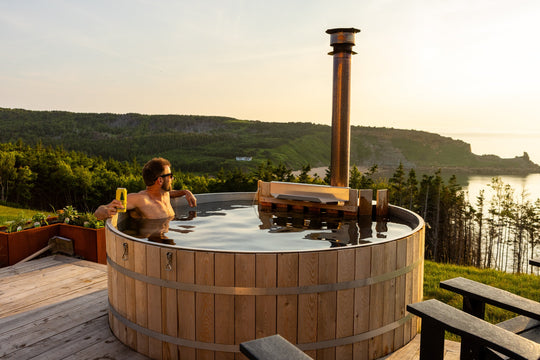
(191, 199)
(106, 211)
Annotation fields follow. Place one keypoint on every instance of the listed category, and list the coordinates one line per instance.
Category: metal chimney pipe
(342, 40)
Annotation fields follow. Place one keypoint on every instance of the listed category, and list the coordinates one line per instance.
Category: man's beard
(166, 186)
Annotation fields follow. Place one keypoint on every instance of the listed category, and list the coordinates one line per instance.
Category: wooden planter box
(88, 244)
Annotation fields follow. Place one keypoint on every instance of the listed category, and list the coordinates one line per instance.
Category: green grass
(525, 285)
(11, 213)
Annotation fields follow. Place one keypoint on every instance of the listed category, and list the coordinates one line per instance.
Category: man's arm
(104, 212)
(192, 201)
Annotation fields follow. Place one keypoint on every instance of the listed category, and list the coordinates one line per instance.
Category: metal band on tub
(235, 348)
(172, 339)
(234, 290)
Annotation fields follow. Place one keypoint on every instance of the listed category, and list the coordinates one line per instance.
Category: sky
(455, 67)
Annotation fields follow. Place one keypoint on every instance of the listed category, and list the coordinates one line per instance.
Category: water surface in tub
(242, 226)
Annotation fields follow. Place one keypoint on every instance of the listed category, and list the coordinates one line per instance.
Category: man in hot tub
(155, 201)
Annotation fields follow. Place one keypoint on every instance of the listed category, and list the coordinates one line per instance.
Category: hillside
(207, 143)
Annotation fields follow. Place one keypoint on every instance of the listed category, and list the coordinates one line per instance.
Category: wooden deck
(56, 308)
(411, 351)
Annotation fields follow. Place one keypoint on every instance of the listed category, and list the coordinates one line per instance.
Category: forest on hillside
(206, 144)
(501, 233)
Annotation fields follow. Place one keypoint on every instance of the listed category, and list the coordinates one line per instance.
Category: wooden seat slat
(437, 315)
(493, 296)
(273, 347)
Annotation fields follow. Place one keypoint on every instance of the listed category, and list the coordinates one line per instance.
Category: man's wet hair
(153, 169)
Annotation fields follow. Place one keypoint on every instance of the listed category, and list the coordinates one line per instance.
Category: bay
(472, 184)
(504, 145)
(525, 184)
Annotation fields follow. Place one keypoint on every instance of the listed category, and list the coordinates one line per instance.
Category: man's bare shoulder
(141, 196)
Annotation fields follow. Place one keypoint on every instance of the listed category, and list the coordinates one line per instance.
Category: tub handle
(125, 254)
(168, 266)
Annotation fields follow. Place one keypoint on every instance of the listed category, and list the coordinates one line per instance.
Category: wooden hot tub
(338, 303)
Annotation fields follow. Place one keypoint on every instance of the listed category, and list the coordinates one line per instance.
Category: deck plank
(64, 343)
(45, 327)
(28, 266)
(50, 311)
(411, 351)
(56, 308)
(48, 286)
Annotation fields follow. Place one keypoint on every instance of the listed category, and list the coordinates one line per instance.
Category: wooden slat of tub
(401, 262)
(244, 305)
(153, 269)
(361, 301)
(141, 296)
(287, 305)
(376, 300)
(407, 332)
(327, 303)
(169, 305)
(111, 281)
(265, 305)
(131, 310)
(345, 302)
(204, 303)
(420, 236)
(420, 239)
(308, 274)
(418, 274)
(110, 240)
(415, 280)
(224, 329)
(389, 302)
(121, 293)
(186, 302)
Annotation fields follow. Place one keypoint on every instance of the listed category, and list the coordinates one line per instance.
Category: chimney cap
(342, 39)
(336, 30)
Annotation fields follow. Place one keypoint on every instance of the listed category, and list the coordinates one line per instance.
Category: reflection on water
(339, 231)
(243, 226)
(152, 229)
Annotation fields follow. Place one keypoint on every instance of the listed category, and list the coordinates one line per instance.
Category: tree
(24, 184)
(355, 178)
(398, 185)
(412, 190)
(8, 173)
(304, 176)
(479, 218)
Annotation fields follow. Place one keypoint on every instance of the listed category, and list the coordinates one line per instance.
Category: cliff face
(424, 150)
(208, 143)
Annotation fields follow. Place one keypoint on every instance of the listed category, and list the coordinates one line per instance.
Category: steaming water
(239, 226)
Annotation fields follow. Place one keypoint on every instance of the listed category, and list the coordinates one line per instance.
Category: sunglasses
(165, 175)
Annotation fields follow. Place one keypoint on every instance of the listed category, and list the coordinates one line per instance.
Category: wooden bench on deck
(273, 347)
(438, 317)
(517, 338)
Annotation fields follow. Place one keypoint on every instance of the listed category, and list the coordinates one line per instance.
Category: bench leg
(469, 350)
(431, 341)
(474, 307)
